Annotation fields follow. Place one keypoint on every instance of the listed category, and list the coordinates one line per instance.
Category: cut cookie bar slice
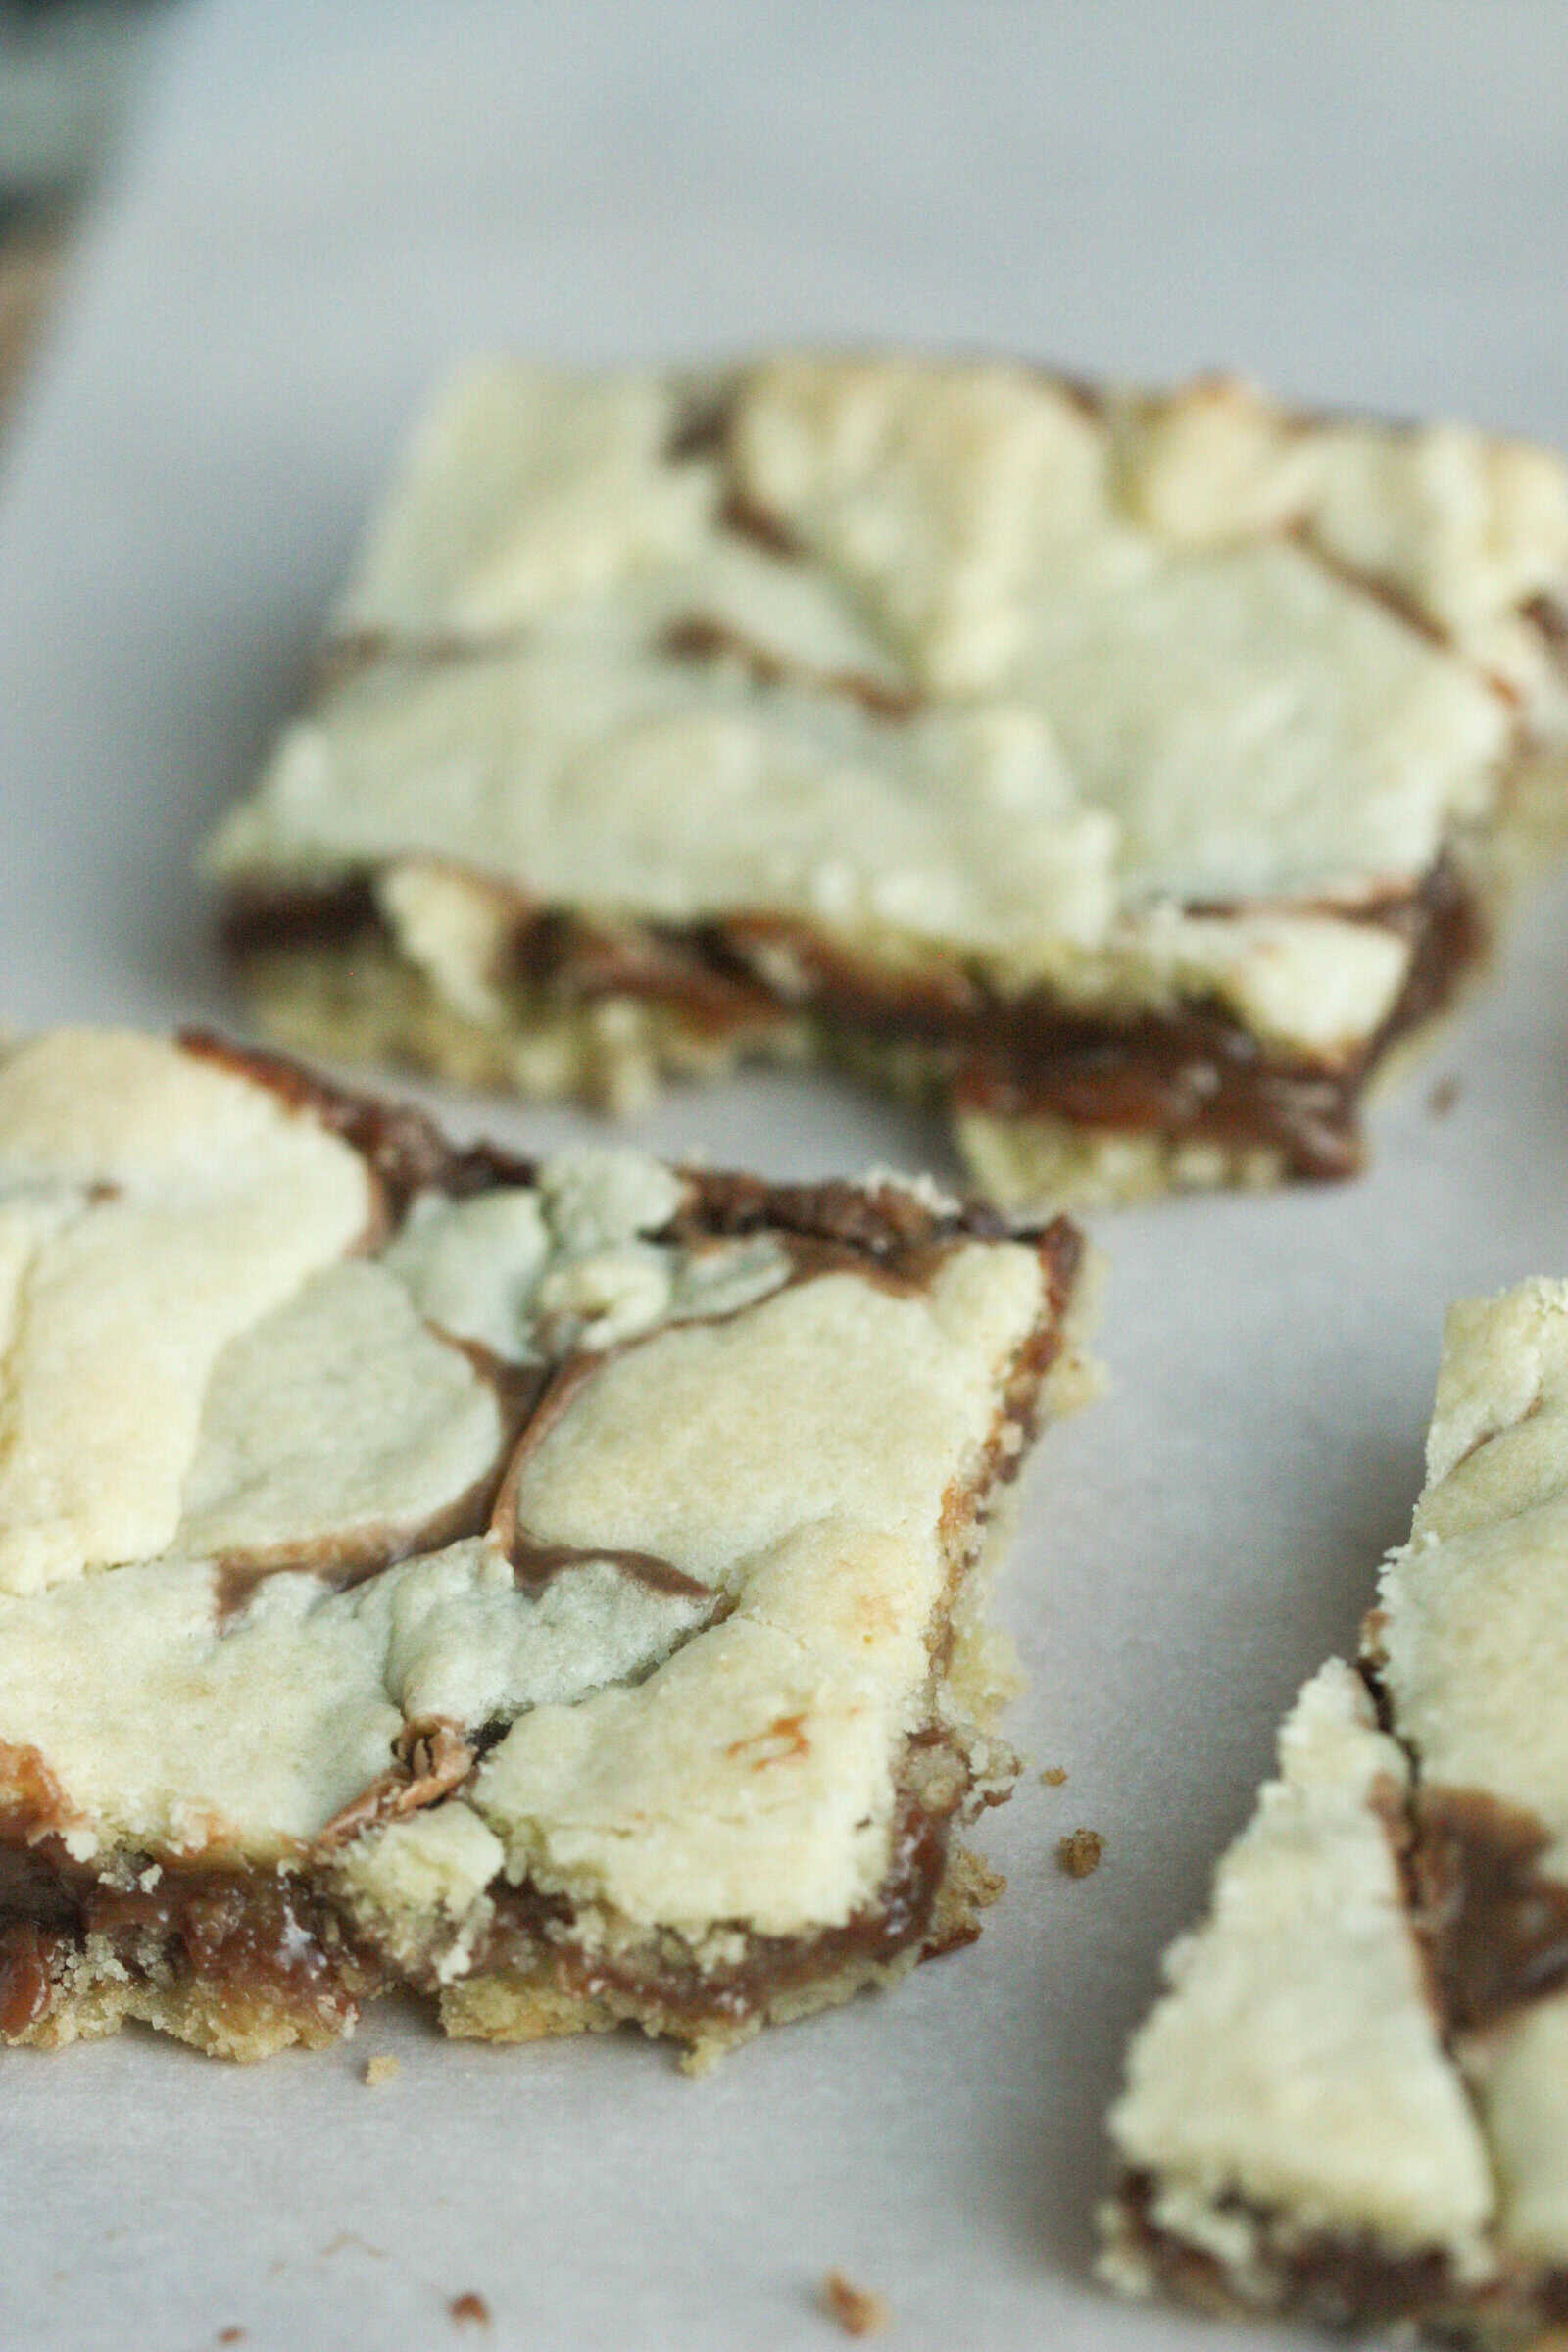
(555, 1590)
(1128, 776)
(1354, 2097)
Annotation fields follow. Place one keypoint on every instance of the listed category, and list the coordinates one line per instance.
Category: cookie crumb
(469, 2309)
(1054, 1776)
(231, 2335)
(1442, 1098)
(382, 2069)
(856, 2310)
(1080, 1853)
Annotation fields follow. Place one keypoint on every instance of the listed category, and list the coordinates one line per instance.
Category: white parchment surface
(325, 203)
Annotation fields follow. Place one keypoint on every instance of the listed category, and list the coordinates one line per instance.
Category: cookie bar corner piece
(552, 1590)
(1293, 2131)
(1353, 2098)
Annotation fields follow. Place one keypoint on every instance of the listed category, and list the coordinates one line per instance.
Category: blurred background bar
(68, 73)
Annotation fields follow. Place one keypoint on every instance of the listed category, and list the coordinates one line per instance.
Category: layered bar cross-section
(1126, 775)
(555, 1589)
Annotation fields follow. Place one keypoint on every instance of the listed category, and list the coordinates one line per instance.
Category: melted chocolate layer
(254, 1934)
(1344, 2281)
(1193, 1073)
(532, 1930)
(1494, 1929)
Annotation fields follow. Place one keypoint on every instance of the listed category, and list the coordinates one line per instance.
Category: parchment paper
(324, 206)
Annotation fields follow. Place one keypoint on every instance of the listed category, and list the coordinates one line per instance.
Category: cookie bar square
(1353, 2099)
(555, 1589)
(1126, 775)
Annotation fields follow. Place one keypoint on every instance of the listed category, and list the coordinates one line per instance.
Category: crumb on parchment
(1080, 1854)
(383, 2067)
(1054, 1776)
(469, 2310)
(856, 2310)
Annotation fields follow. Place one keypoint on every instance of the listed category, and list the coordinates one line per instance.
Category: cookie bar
(1126, 777)
(554, 1590)
(1354, 2097)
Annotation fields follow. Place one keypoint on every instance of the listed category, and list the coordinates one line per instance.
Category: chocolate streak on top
(432, 1757)
(355, 1555)
(406, 1151)
(701, 638)
(810, 1255)
(352, 1557)
(885, 1236)
(702, 430)
(537, 1564)
(346, 656)
(880, 1224)
(1394, 599)
(1550, 616)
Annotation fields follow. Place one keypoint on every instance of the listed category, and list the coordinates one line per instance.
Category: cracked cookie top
(341, 1469)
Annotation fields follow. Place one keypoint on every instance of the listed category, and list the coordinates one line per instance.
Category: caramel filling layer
(1342, 2282)
(255, 1937)
(532, 1934)
(1190, 1073)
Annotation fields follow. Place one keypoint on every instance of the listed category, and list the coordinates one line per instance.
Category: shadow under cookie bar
(413, 1675)
(1350, 2101)
(1126, 777)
